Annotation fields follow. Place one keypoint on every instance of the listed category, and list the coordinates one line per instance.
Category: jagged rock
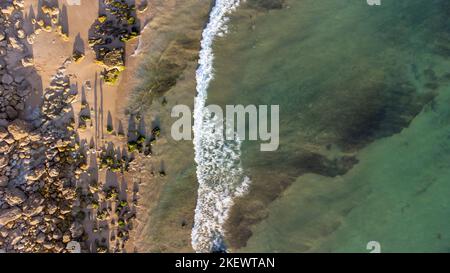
(8, 10)
(14, 196)
(33, 205)
(19, 78)
(4, 233)
(51, 209)
(3, 162)
(65, 209)
(142, 7)
(11, 112)
(7, 79)
(59, 247)
(26, 225)
(19, 3)
(3, 181)
(16, 240)
(27, 61)
(9, 215)
(114, 58)
(4, 147)
(23, 91)
(20, 106)
(40, 238)
(3, 133)
(35, 221)
(18, 129)
(9, 140)
(67, 238)
(34, 136)
(77, 56)
(57, 234)
(53, 172)
(76, 229)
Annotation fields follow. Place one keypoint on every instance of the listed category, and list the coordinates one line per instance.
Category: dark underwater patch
(384, 112)
(266, 4)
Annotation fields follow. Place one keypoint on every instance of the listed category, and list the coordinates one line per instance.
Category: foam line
(219, 172)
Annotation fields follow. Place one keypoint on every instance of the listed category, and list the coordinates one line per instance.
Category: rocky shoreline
(49, 196)
(39, 163)
(80, 164)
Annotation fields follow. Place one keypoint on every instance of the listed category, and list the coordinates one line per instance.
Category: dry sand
(106, 102)
(108, 107)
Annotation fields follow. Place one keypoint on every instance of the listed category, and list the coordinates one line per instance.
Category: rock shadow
(64, 20)
(79, 46)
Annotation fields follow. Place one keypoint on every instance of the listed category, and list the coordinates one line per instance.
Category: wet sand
(169, 202)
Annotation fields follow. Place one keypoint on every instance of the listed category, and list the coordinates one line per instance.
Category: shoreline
(170, 200)
(220, 179)
(104, 196)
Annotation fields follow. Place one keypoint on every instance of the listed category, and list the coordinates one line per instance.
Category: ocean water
(364, 124)
(219, 172)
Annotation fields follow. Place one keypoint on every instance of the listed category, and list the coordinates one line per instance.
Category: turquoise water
(363, 94)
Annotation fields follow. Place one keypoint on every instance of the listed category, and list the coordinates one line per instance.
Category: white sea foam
(219, 171)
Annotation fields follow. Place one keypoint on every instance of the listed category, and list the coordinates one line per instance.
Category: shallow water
(348, 78)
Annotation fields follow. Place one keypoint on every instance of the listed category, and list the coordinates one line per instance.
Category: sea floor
(364, 125)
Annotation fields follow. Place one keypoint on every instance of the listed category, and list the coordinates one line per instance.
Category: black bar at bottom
(173, 263)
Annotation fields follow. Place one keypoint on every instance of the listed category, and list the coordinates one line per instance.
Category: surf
(219, 172)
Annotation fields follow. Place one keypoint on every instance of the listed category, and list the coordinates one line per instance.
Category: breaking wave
(219, 171)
